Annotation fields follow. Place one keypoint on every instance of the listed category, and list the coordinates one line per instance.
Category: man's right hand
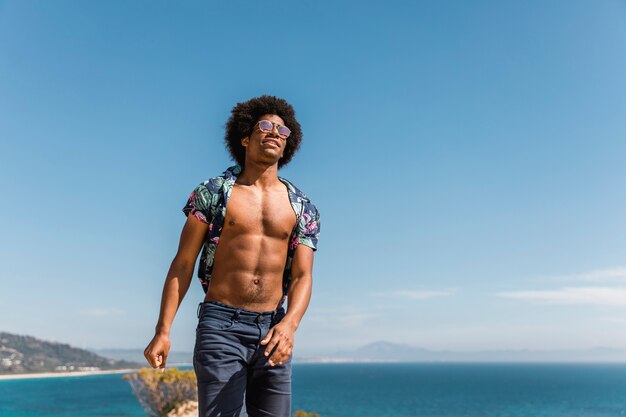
(157, 350)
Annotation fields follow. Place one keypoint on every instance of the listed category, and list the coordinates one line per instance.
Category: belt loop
(236, 315)
(199, 308)
(273, 316)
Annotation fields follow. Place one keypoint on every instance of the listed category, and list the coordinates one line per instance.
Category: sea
(369, 390)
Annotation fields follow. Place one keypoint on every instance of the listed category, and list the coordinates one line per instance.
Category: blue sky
(467, 159)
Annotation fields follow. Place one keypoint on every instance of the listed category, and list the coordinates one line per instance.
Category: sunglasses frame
(274, 125)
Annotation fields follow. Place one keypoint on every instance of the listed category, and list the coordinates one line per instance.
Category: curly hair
(244, 116)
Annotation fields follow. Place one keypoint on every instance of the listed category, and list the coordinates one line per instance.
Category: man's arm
(280, 337)
(175, 287)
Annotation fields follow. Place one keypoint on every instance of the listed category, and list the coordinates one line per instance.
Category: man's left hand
(279, 341)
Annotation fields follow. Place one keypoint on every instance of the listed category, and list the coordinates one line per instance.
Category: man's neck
(258, 175)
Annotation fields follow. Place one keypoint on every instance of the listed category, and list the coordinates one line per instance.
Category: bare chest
(266, 213)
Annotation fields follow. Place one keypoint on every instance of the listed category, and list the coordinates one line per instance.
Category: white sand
(60, 374)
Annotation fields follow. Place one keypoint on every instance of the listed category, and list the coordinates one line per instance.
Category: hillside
(26, 354)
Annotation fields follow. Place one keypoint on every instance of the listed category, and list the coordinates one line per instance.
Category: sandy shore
(60, 374)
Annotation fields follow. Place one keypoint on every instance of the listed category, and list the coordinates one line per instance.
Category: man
(267, 232)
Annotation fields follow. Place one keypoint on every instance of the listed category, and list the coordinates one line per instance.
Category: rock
(186, 409)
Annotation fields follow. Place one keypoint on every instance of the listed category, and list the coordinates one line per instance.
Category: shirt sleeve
(309, 226)
(199, 204)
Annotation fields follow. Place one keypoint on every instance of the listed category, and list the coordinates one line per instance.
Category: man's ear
(245, 141)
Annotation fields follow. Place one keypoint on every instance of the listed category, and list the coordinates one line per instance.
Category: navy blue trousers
(234, 377)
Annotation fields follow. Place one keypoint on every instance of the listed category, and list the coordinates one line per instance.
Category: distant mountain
(173, 359)
(382, 351)
(393, 352)
(26, 354)
(136, 355)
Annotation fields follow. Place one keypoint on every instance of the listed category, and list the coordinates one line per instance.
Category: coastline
(65, 374)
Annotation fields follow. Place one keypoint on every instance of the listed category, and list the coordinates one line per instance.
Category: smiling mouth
(271, 141)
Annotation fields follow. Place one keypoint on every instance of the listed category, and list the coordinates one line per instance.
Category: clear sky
(467, 158)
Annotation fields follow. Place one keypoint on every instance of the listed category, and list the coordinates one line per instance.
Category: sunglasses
(268, 126)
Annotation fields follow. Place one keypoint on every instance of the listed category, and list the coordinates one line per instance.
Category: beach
(64, 374)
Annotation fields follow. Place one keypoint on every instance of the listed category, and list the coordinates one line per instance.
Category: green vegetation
(26, 354)
(159, 393)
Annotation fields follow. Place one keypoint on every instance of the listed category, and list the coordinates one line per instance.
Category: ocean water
(370, 390)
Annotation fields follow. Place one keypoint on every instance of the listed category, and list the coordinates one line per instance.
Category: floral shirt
(207, 202)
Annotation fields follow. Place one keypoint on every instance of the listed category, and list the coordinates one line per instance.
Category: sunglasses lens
(266, 125)
(284, 131)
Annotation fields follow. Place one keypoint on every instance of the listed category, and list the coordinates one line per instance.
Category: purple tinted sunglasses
(268, 126)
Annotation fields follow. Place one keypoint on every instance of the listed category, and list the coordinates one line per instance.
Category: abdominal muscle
(248, 271)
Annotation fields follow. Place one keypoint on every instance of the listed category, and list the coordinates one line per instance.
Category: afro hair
(244, 116)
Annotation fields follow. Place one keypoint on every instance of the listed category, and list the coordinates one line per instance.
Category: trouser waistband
(237, 313)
